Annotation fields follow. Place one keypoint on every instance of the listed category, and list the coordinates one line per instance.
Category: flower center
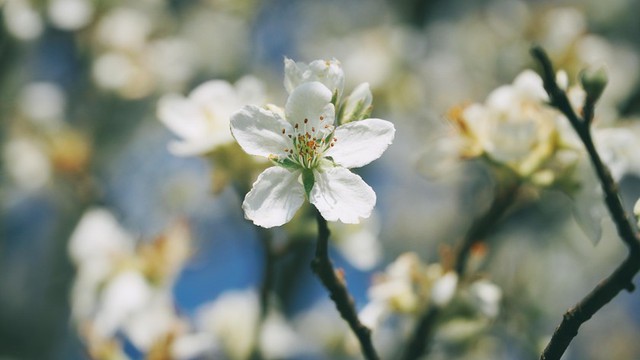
(309, 143)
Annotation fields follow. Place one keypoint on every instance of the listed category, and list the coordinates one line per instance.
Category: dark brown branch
(623, 276)
(559, 100)
(479, 229)
(323, 268)
(486, 223)
(583, 311)
(422, 333)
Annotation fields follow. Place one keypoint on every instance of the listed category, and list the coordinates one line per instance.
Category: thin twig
(323, 268)
(421, 337)
(623, 276)
(480, 228)
(486, 223)
(559, 99)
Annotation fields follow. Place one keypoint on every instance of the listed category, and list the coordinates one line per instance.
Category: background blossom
(81, 143)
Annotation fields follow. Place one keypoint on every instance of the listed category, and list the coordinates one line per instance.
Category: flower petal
(361, 142)
(342, 195)
(250, 90)
(311, 102)
(260, 131)
(358, 105)
(194, 146)
(328, 72)
(293, 74)
(215, 93)
(181, 116)
(274, 198)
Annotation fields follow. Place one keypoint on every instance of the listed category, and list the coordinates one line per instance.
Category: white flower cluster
(516, 128)
(313, 142)
(123, 293)
(124, 289)
(202, 118)
(410, 287)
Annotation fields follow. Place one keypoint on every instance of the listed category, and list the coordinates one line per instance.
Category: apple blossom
(408, 286)
(516, 128)
(312, 157)
(356, 106)
(328, 72)
(230, 321)
(202, 118)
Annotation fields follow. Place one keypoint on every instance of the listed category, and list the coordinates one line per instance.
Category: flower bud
(636, 211)
(358, 104)
(593, 81)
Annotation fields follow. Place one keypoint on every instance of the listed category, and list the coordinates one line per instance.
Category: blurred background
(79, 86)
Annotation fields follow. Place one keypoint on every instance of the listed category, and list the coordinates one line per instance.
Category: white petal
(200, 133)
(181, 116)
(232, 319)
(125, 295)
(310, 101)
(361, 142)
(274, 198)
(329, 73)
(193, 147)
(99, 235)
(213, 92)
(530, 86)
(373, 313)
(357, 104)
(342, 195)
(250, 90)
(444, 289)
(486, 296)
(151, 323)
(293, 74)
(259, 131)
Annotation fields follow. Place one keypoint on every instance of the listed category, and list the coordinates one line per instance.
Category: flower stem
(623, 276)
(335, 284)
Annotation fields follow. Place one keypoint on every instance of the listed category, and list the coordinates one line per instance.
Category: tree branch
(623, 276)
(486, 223)
(335, 284)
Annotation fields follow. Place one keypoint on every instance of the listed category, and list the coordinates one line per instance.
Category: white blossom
(408, 287)
(515, 127)
(486, 297)
(231, 320)
(27, 163)
(202, 118)
(22, 19)
(44, 103)
(313, 158)
(124, 296)
(124, 28)
(70, 14)
(327, 72)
